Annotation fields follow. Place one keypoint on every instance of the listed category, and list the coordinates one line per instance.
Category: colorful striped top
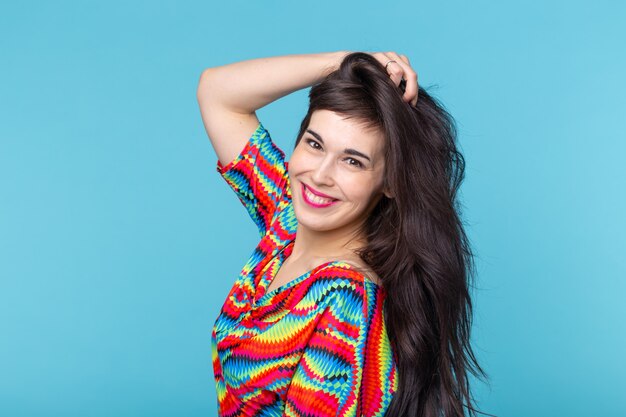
(316, 346)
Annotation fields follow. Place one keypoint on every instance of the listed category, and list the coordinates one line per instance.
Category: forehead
(338, 132)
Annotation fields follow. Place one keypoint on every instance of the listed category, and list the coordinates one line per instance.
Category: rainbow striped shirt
(316, 346)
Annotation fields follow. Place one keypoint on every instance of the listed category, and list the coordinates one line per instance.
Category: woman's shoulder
(355, 269)
(347, 285)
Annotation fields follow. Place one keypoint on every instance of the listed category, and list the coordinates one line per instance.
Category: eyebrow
(348, 151)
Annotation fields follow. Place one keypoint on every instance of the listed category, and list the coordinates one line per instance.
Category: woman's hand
(399, 68)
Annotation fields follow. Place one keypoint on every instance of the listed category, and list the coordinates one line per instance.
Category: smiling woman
(355, 301)
(337, 167)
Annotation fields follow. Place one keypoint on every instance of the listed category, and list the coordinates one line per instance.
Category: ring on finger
(389, 62)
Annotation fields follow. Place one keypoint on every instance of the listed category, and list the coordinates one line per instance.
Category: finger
(412, 82)
(411, 91)
(406, 60)
(382, 57)
(393, 69)
(394, 73)
(396, 76)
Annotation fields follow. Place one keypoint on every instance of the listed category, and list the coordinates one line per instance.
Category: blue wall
(119, 241)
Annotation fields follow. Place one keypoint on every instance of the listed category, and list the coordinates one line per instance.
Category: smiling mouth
(315, 200)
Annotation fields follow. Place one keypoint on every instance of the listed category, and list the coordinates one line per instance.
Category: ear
(388, 193)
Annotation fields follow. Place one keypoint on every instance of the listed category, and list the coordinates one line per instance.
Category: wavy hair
(415, 239)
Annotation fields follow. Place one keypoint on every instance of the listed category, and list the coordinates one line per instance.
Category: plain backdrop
(119, 241)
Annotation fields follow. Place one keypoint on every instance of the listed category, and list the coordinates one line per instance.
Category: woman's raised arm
(229, 95)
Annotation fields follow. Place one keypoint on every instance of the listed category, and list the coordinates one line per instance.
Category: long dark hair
(415, 240)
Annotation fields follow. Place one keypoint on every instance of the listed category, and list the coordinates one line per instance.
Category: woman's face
(342, 161)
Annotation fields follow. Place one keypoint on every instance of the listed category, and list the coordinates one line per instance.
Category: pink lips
(311, 203)
(318, 193)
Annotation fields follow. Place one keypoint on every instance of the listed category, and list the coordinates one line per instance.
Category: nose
(323, 173)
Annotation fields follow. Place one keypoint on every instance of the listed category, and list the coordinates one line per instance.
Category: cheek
(360, 189)
(299, 162)
(296, 155)
(294, 163)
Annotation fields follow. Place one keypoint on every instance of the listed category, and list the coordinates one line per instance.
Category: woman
(355, 301)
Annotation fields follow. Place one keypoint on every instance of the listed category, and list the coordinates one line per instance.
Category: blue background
(119, 241)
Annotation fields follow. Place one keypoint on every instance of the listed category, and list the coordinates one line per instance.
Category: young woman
(356, 300)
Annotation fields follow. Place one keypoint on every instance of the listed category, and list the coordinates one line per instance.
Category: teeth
(317, 199)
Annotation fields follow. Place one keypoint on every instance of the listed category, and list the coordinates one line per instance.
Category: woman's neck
(316, 247)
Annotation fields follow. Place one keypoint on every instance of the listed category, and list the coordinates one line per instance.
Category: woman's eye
(313, 144)
(356, 163)
(351, 161)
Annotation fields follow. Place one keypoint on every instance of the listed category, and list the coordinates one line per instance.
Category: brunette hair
(415, 240)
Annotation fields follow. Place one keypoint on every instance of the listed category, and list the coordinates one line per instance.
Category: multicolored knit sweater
(316, 346)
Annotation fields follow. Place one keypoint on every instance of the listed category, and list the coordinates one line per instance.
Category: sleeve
(327, 379)
(258, 175)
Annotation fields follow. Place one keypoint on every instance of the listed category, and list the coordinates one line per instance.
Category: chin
(317, 224)
(323, 224)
